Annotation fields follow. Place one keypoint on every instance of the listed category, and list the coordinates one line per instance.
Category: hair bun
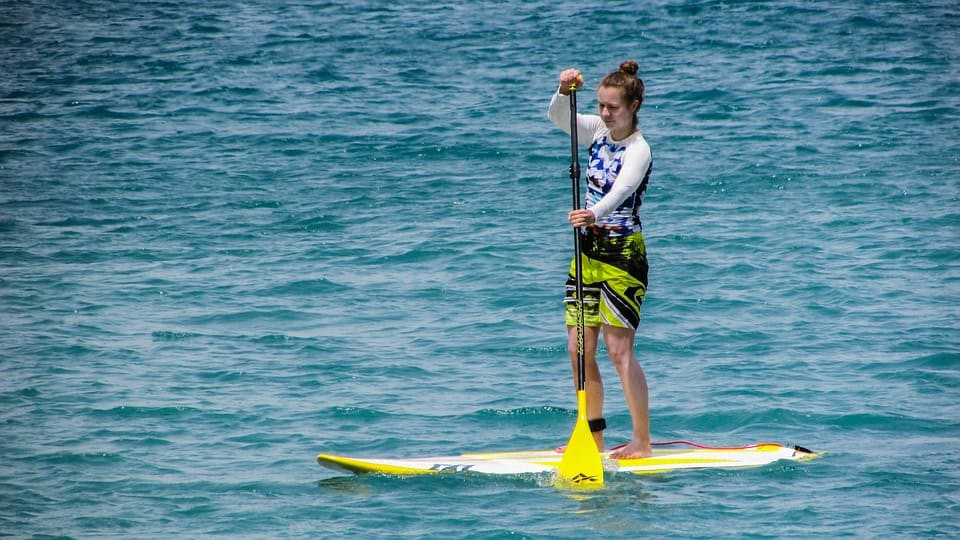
(630, 67)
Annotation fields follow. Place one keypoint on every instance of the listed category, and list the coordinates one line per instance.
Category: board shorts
(614, 281)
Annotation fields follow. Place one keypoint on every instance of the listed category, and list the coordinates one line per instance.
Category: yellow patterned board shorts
(614, 281)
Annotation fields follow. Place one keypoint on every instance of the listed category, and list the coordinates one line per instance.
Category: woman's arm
(559, 114)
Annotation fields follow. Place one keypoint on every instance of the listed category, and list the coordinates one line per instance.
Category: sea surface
(235, 234)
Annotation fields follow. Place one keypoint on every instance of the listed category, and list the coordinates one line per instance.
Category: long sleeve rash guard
(617, 171)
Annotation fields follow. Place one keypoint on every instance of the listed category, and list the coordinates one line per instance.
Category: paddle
(581, 465)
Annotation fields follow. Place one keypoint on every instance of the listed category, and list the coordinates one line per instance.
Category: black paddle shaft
(578, 265)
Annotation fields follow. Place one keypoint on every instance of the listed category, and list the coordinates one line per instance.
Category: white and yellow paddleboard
(666, 457)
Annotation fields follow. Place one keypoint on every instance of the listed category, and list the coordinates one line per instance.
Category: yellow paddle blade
(581, 465)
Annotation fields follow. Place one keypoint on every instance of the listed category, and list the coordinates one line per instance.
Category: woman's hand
(570, 78)
(581, 218)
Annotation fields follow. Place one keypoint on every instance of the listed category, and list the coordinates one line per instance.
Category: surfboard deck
(666, 457)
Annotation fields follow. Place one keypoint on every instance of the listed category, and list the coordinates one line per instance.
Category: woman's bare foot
(597, 438)
(633, 450)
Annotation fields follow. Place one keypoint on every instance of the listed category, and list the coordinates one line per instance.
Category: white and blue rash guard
(617, 171)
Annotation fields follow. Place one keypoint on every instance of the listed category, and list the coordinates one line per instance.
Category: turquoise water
(237, 234)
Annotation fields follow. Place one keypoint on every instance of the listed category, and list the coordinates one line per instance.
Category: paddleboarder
(614, 262)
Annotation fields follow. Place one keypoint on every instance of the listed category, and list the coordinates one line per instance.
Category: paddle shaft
(581, 465)
(578, 265)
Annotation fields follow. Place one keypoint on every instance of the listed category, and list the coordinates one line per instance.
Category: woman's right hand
(570, 78)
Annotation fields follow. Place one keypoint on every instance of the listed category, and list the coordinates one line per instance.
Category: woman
(614, 267)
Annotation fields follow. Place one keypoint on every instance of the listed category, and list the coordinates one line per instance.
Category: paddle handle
(578, 264)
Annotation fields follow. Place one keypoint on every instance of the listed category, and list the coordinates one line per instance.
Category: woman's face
(615, 112)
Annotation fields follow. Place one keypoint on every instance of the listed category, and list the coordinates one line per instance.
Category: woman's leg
(594, 383)
(619, 342)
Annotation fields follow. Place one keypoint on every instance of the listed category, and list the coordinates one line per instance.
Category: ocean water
(235, 234)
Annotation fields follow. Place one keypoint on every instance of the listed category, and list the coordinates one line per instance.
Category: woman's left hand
(581, 218)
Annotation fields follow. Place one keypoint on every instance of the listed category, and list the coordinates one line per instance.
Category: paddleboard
(667, 456)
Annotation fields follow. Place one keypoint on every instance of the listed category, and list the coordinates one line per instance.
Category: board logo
(440, 467)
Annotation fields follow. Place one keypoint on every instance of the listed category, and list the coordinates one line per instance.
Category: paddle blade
(581, 465)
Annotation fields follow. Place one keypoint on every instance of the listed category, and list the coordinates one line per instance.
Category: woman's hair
(627, 81)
